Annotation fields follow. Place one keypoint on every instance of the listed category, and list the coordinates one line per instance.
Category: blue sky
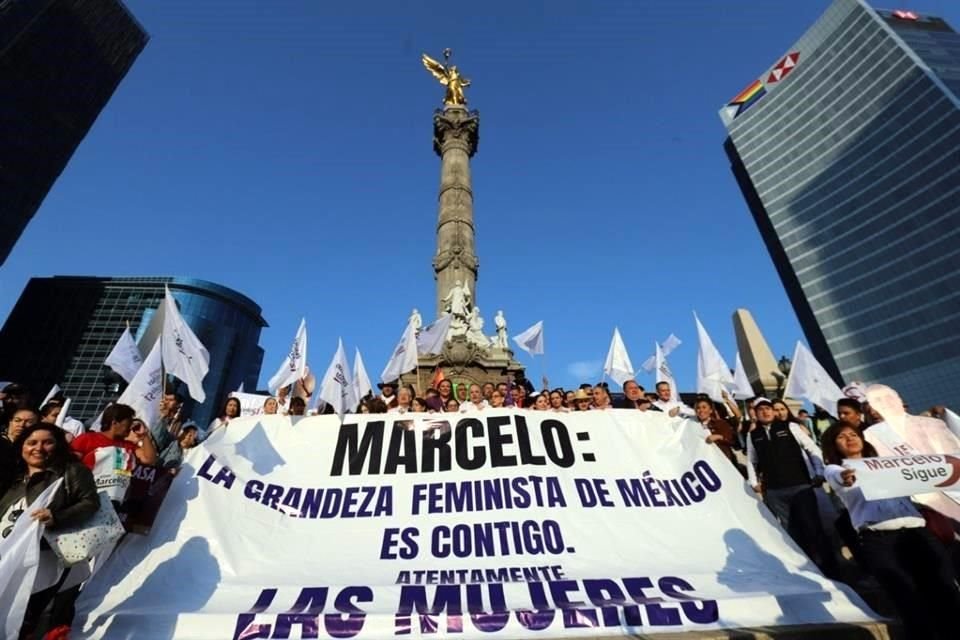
(283, 148)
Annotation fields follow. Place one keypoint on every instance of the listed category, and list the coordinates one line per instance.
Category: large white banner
(502, 524)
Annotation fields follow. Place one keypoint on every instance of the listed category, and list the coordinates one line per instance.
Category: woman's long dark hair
(828, 444)
(62, 455)
(223, 413)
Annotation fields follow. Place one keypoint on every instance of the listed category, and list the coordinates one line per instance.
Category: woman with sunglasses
(43, 457)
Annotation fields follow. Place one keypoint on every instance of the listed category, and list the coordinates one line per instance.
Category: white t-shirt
(468, 406)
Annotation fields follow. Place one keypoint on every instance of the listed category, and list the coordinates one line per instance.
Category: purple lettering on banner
(304, 612)
(708, 477)
(246, 628)
(575, 615)
(494, 620)
(696, 610)
(447, 599)
(537, 620)
(694, 491)
(271, 495)
(608, 596)
(204, 470)
(349, 625)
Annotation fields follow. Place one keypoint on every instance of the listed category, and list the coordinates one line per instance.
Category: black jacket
(74, 502)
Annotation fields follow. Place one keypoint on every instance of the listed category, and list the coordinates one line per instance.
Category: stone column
(456, 132)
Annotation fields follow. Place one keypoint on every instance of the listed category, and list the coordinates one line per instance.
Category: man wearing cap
(790, 465)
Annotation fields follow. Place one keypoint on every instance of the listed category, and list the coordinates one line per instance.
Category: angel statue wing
(438, 70)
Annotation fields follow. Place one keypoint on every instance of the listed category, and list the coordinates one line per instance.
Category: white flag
(668, 345)
(666, 348)
(662, 372)
(433, 336)
(19, 559)
(54, 390)
(361, 381)
(618, 365)
(336, 388)
(809, 380)
(63, 412)
(125, 356)
(184, 355)
(144, 391)
(741, 383)
(713, 374)
(531, 340)
(294, 366)
(404, 357)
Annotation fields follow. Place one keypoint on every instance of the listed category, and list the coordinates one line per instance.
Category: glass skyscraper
(62, 329)
(847, 151)
(60, 61)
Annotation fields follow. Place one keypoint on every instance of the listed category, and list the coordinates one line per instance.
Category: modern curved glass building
(62, 329)
(847, 151)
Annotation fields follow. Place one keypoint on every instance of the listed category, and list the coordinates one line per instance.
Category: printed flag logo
(783, 67)
(746, 99)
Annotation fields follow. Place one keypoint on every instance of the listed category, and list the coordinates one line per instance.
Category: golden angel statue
(448, 76)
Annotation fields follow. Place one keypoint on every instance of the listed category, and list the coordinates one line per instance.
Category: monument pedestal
(465, 362)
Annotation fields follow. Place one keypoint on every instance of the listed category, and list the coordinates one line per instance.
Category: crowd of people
(909, 546)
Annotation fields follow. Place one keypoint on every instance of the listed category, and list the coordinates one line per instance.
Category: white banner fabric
(894, 477)
(500, 524)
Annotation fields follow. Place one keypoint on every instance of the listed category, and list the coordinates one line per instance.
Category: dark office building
(60, 61)
(847, 151)
(62, 329)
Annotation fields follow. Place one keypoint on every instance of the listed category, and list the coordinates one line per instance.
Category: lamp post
(783, 364)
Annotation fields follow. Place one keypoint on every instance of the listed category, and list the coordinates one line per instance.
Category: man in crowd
(487, 391)
(850, 413)
(387, 392)
(476, 401)
(633, 397)
(784, 465)
(167, 429)
(668, 405)
(901, 434)
(113, 453)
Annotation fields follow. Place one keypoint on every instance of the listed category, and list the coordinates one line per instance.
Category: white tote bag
(81, 542)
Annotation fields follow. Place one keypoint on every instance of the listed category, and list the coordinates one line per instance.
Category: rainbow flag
(747, 98)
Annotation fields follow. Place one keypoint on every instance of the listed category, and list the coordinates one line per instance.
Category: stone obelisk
(456, 133)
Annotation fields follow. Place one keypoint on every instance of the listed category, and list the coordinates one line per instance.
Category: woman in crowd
(298, 406)
(496, 399)
(452, 406)
(556, 401)
(581, 400)
(231, 410)
(20, 420)
(270, 406)
(541, 402)
(784, 414)
(43, 457)
(445, 389)
(718, 430)
(420, 405)
(895, 545)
